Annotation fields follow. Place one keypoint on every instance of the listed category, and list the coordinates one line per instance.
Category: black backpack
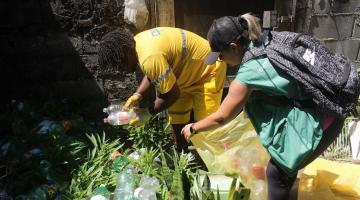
(329, 78)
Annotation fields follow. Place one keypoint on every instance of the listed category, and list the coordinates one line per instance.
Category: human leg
(181, 143)
(279, 183)
(179, 115)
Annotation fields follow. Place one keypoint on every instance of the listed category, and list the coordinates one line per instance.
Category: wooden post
(166, 13)
(162, 13)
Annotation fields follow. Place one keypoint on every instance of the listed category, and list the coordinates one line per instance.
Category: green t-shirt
(277, 125)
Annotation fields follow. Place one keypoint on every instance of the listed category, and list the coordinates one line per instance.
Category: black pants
(279, 183)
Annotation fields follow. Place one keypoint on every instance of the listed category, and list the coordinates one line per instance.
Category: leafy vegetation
(96, 170)
(154, 134)
(50, 150)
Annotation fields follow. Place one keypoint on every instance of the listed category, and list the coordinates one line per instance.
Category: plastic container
(120, 118)
(112, 108)
(147, 188)
(125, 185)
(101, 193)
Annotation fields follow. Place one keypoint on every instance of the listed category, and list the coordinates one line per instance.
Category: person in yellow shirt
(171, 59)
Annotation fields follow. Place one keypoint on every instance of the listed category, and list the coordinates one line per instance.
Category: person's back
(165, 48)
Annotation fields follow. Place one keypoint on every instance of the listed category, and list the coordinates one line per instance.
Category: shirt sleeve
(160, 72)
(260, 74)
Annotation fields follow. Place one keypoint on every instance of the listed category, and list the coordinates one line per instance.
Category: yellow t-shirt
(167, 55)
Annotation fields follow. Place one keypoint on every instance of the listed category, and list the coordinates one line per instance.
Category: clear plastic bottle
(147, 188)
(112, 108)
(120, 118)
(248, 158)
(125, 185)
(101, 193)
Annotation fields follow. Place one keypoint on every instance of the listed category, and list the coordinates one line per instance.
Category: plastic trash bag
(330, 180)
(136, 13)
(235, 149)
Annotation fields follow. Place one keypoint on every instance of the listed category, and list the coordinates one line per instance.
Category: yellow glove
(142, 116)
(133, 101)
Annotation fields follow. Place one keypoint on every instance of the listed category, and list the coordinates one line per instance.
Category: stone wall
(49, 49)
(86, 21)
(336, 22)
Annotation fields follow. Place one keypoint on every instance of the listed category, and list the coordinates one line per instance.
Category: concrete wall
(198, 15)
(336, 22)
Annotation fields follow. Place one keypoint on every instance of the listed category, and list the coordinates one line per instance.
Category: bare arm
(164, 101)
(144, 85)
(230, 107)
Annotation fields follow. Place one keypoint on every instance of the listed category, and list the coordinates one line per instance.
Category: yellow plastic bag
(235, 149)
(330, 180)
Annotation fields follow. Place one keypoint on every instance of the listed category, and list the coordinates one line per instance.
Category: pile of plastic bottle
(125, 187)
(125, 182)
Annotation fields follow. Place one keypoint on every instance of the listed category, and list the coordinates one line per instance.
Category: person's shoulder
(255, 64)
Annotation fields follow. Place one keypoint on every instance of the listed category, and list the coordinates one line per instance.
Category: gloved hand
(142, 116)
(133, 101)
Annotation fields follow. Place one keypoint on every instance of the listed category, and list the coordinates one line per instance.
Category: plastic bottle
(101, 193)
(125, 185)
(112, 108)
(120, 118)
(147, 188)
(248, 158)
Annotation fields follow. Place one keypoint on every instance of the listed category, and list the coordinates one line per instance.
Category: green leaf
(206, 186)
(244, 193)
(218, 193)
(232, 189)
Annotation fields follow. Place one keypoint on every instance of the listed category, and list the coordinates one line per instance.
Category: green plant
(172, 169)
(154, 134)
(96, 170)
(237, 190)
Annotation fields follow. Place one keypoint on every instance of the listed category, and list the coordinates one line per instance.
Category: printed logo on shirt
(155, 32)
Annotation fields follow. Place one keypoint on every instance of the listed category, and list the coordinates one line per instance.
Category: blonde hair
(254, 27)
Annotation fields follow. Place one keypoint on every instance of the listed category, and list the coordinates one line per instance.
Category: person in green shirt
(262, 90)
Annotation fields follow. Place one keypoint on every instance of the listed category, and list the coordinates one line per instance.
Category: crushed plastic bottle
(101, 193)
(247, 160)
(120, 118)
(112, 108)
(46, 126)
(147, 188)
(125, 185)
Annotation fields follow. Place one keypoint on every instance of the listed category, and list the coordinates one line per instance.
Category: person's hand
(186, 132)
(133, 101)
(142, 116)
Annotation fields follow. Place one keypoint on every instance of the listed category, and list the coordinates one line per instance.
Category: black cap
(222, 32)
